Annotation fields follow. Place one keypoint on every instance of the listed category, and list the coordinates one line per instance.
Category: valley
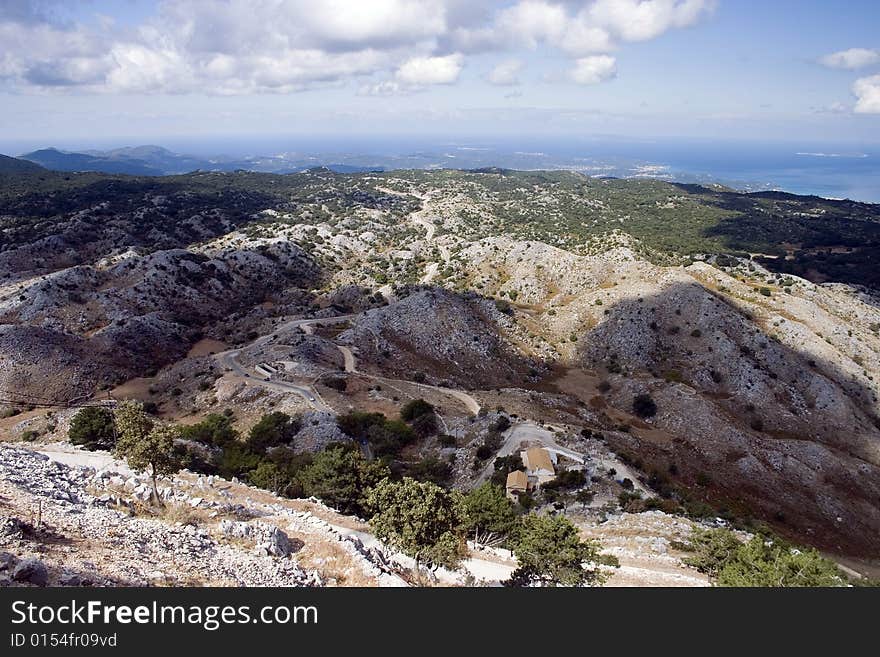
(708, 357)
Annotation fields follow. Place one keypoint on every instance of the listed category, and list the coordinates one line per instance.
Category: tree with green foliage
(491, 516)
(356, 424)
(386, 437)
(503, 466)
(273, 429)
(550, 553)
(762, 561)
(430, 468)
(415, 408)
(711, 548)
(585, 497)
(425, 425)
(270, 476)
(420, 519)
(92, 428)
(773, 563)
(340, 476)
(144, 443)
(215, 429)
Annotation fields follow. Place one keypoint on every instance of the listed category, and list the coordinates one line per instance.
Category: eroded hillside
(558, 298)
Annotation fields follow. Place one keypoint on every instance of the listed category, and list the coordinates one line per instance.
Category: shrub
(446, 440)
(420, 519)
(566, 480)
(501, 424)
(425, 425)
(215, 430)
(415, 408)
(483, 452)
(550, 552)
(491, 517)
(272, 430)
(30, 435)
(269, 476)
(340, 476)
(432, 469)
(644, 406)
(762, 561)
(237, 460)
(503, 306)
(336, 383)
(92, 427)
(503, 466)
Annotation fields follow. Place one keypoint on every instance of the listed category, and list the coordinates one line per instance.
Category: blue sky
(81, 73)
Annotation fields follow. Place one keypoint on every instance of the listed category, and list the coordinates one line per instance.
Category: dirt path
(229, 359)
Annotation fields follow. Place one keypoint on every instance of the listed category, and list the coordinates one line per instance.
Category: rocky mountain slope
(751, 321)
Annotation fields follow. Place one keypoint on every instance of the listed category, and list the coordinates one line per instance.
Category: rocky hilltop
(749, 321)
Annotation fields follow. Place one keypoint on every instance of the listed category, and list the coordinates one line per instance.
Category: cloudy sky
(80, 72)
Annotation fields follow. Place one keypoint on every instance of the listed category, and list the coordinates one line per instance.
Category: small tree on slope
(420, 519)
(145, 444)
(550, 553)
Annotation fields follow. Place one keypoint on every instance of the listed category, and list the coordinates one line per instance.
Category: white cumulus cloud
(852, 59)
(640, 20)
(282, 46)
(594, 69)
(506, 73)
(421, 71)
(867, 90)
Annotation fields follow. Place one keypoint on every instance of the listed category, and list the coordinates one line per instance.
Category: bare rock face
(109, 324)
(753, 409)
(445, 336)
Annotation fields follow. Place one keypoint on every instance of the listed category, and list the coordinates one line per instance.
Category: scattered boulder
(267, 539)
(69, 578)
(31, 571)
(7, 561)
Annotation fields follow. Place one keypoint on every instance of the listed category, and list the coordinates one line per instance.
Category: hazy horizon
(831, 169)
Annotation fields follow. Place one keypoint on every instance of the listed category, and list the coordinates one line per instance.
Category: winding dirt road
(229, 359)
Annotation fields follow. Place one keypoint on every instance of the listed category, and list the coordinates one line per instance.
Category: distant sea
(849, 170)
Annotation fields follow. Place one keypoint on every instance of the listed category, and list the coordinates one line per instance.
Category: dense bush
(420, 519)
(415, 408)
(501, 424)
(447, 441)
(490, 445)
(644, 406)
(92, 428)
(336, 383)
(432, 469)
(504, 465)
(491, 516)
(340, 476)
(386, 437)
(215, 430)
(550, 552)
(566, 480)
(272, 430)
(425, 425)
(762, 561)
